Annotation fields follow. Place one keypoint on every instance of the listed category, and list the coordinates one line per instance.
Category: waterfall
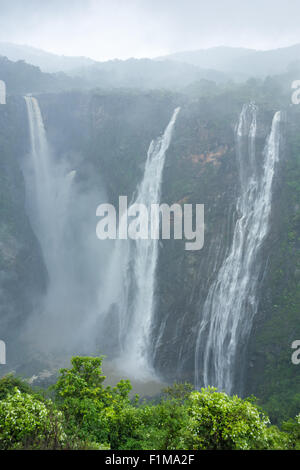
(47, 192)
(61, 211)
(138, 259)
(231, 303)
(48, 185)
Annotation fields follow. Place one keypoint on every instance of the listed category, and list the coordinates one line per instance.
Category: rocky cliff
(105, 137)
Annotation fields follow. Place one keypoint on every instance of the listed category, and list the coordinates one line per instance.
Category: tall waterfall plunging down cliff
(47, 191)
(62, 217)
(231, 303)
(138, 259)
(48, 186)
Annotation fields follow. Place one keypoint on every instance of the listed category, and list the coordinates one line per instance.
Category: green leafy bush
(9, 383)
(87, 415)
(26, 422)
(221, 422)
(88, 406)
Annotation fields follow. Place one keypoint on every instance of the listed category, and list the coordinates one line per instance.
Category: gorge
(225, 315)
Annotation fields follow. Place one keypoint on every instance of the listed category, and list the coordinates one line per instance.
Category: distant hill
(174, 72)
(214, 58)
(239, 62)
(147, 74)
(22, 78)
(131, 73)
(46, 61)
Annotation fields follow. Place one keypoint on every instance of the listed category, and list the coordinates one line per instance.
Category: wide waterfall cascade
(231, 303)
(62, 217)
(137, 261)
(47, 190)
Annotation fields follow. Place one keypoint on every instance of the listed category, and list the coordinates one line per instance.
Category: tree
(88, 406)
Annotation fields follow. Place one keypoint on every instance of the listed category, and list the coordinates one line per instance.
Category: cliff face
(105, 137)
(106, 134)
(201, 169)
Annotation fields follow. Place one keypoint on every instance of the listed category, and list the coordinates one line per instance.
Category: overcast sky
(107, 29)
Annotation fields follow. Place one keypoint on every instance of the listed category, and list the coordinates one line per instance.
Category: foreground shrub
(87, 415)
(292, 428)
(221, 422)
(88, 406)
(163, 426)
(26, 422)
(9, 382)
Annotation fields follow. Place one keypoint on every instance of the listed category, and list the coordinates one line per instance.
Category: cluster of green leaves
(85, 414)
(89, 407)
(27, 422)
(222, 422)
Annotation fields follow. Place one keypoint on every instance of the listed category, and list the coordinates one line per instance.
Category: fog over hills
(47, 61)
(180, 69)
(248, 62)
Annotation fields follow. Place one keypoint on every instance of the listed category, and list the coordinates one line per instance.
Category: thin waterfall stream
(133, 264)
(144, 255)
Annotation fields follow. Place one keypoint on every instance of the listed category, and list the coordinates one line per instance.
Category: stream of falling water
(47, 192)
(144, 254)
(231, 303)
(133, 266)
